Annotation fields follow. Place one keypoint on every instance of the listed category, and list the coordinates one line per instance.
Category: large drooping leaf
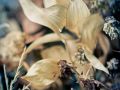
(76, 12)
(52, 17)
(95, 62)
(90, 28)
(57, 13)
(46, 39)
(43, 73)
(105, 45)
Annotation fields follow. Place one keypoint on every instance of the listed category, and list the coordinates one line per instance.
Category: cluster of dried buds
(66, 70)
(91, 84)
(80, 55)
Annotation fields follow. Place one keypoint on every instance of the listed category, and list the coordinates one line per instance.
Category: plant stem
(5, 74)
(88, 72)
(19, 66)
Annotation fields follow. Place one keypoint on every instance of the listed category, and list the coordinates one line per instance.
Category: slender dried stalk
(26, 87)
(88, 72)
(5, 74)
(1, 87)
(19, 66)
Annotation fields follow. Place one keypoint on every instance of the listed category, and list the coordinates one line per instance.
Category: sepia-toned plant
(77, 58)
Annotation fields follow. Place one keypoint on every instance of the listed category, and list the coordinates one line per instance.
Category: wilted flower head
(111, 27)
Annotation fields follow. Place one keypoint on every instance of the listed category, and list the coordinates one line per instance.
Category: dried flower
(80, 55)
(112, 64)
(111, 27)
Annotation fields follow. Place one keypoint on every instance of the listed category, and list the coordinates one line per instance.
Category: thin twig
(5, 74)
(26, 87)
(116, 51)
(88, 72)
(19, 66)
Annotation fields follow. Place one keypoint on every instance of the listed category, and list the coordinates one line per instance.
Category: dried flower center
(80, 55)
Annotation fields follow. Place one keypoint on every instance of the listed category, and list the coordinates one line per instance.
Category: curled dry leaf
(57, 13)
(46, 39)
(43, 73)
(105, 45)
(83, 68)
(58, 52)
(90, 29)
(52, 17)
(95, 62)
(92, 60)
(77, 11)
